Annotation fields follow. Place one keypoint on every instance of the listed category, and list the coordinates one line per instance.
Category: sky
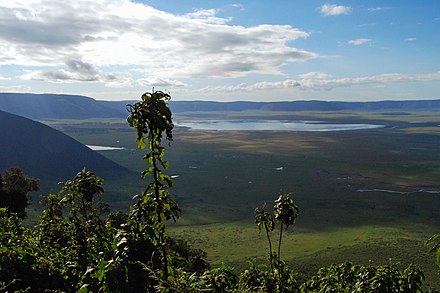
(253, 50)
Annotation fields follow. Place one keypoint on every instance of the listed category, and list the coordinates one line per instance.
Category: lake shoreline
(273, 125)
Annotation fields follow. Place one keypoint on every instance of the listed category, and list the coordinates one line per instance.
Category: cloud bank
(80, 41)
(316, 81)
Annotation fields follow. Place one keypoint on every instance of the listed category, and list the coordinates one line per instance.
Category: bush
(347, 277)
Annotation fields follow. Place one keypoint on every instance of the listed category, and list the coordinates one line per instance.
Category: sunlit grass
(234, 243)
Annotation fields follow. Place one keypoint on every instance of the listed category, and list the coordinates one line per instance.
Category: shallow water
(275, 125)
(103, 148)
(400, 192)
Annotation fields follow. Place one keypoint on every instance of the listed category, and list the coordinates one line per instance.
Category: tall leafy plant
(152, 120)
(88, 229)
(285, 212)
(265, 220)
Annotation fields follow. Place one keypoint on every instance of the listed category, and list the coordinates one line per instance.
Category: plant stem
(279, 248)
(270, 250)
(156, 172)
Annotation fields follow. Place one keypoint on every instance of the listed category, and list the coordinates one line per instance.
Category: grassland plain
(220, 177)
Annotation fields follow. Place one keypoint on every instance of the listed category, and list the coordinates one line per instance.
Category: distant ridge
(55, 106)
(205, 106)
(48, 154)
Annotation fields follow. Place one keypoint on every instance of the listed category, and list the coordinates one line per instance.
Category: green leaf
(141, 143)
(83, 289)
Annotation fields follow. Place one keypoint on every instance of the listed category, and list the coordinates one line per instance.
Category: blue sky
(222, 50)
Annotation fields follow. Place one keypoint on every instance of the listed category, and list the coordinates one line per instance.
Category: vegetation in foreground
(73, 248)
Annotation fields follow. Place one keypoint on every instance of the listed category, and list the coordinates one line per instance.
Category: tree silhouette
(14, 187)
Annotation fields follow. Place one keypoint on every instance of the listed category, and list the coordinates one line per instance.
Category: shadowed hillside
(48, 154)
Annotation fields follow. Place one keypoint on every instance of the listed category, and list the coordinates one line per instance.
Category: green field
(222, 176)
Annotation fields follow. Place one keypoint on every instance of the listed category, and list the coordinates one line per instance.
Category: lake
(102, 148)
(275, 125)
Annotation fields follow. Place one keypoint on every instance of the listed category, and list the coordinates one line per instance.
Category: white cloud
(322, 81)
(410, 39)
(105, 33)
(160, 82)
(328, 84)
(358, 42)
(376, 9)
(78, 71)
(333, 9)
(369, 24)
(238, 6)
(208, 16)
(315, 75)
(15, 89)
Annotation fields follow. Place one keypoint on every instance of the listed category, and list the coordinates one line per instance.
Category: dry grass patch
(250, 142)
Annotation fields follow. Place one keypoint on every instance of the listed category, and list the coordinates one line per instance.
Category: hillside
(48, 154)
(54, 106)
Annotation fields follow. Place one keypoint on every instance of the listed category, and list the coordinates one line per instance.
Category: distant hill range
(48, 154)
(203, 106)
(54, 106)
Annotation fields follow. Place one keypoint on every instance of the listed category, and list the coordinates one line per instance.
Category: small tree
(151, 117)
(285, 212)
(72, 229)
(265, 220)
(87, 228)
(14, 187)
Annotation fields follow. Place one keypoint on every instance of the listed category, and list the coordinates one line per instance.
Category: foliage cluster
(77, 246)
(14, 187)
(435, 242)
